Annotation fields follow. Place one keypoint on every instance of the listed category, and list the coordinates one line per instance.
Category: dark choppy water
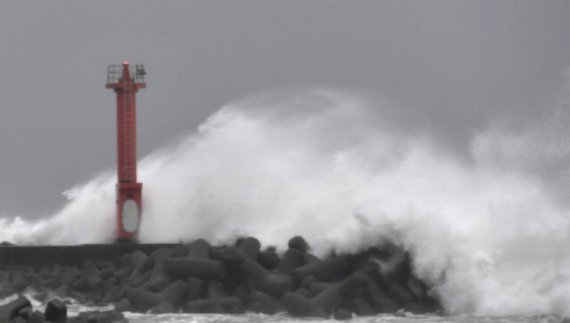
(254, 318)
(74, 308)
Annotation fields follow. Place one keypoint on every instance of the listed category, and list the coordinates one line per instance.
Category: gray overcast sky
(450, 66)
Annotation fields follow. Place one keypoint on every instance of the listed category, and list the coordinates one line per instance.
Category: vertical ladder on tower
(128, 132)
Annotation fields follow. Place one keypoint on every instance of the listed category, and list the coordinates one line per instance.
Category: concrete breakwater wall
(46, 256)
(200, 278)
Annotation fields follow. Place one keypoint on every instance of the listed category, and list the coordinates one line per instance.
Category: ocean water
(75, 308)
(254, 318)
(488, 227)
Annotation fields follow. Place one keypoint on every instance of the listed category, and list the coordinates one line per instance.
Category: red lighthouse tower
(126, 82)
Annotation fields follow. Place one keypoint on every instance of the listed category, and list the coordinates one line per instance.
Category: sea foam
(328, 166)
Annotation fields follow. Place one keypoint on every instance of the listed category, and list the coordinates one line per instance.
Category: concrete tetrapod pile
(200, 278)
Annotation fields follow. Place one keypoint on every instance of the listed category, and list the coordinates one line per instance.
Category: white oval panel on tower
(130, 216)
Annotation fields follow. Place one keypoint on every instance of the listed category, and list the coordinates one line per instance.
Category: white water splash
(326, 166)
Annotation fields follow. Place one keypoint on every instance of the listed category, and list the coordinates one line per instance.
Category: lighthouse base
(129, 207)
